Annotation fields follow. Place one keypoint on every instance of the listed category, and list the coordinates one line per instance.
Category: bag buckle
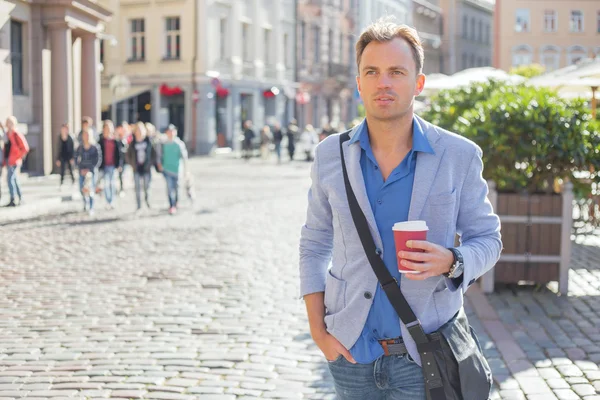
(383, 285)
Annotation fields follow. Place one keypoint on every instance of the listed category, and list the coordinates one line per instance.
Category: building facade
(50, 72)
(551, 33)
(428, 21)
(204, 65)
(326, 34)
(468, 40)
(371, 10)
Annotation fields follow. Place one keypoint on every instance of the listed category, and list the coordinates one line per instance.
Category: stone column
(62, 80)
(234, 42)
(90, 77)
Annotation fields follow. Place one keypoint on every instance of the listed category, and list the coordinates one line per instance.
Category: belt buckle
(382, 285)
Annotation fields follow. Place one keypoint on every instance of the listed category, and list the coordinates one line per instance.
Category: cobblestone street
(204, 304)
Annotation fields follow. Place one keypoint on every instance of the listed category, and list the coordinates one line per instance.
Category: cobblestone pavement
(204, 304)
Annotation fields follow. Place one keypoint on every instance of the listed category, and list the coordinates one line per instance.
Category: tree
(528, 71)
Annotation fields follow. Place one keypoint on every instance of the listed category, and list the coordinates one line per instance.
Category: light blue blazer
(449, 193)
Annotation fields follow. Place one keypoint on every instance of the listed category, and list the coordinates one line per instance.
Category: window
(473, 33)
(522, 55)
(480, 32)
(487, 34)
(172, 49)
(472, 63)
(464, 61)
(101, 51)
(598, 22)
(465, 27)
(317, 41)
(550, 57)
(576, 21)
(222, 38)
(330, 44)
(246, 42)
(303, 40)
(16, 56)
(341, 48)
(286, 49)
(549, 21)
(138, 41)
(351, 52)
(267, 47)
(522, 20)
(576, 54)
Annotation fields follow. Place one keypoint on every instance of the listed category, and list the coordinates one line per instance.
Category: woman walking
(88, 158)
(141, 155)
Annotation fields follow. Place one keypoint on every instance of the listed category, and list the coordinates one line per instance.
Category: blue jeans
(278, 151)
(109, 184)
(88, 199)
(13, 183)
(172, 188)
(138, 178)
(387, 378)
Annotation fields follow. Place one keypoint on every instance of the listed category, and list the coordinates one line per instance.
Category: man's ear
(420, 84)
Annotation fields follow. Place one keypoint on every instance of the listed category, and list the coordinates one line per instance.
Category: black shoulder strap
(392, 290)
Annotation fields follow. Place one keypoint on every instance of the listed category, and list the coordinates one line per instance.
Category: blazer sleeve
(316, 239)
(478, 227)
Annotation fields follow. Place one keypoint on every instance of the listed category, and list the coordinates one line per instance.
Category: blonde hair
(141, 128)
(385, 30)
(150, 129)
(13, 119)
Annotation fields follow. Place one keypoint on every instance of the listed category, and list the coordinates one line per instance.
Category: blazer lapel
(352, 154)
(427, 167)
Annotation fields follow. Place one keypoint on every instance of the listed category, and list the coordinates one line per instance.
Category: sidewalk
(540, 345)
(41, 195)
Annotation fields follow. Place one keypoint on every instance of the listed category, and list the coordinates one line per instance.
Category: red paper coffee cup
(405, 231)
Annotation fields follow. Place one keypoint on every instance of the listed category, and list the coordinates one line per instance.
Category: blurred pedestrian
(172, 152)
(15, 150)
(277, 139)
(248, 138)
(88, 158)
(141, 156)
(87, 123)
(111, 161)
(66, 154)
(123, 140)
(292, 131)
(265, 142)
(2, 142)
(308, 141)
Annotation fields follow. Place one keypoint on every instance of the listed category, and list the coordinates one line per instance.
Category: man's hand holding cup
(419, 259)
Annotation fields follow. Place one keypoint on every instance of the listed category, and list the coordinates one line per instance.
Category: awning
(107, 96)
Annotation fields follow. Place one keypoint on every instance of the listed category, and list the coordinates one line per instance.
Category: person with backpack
(15, 150)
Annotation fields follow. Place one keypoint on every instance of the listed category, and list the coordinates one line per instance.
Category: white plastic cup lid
(411, 226)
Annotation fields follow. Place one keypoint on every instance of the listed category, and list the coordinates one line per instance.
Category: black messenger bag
(453, 364)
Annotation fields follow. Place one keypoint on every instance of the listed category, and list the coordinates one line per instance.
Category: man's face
(64, 131)
(9, 125)
(388, 80)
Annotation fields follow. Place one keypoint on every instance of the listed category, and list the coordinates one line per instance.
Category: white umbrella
(472, 75)
(570, 87)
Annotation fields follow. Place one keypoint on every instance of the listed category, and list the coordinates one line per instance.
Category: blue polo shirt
(390, 202)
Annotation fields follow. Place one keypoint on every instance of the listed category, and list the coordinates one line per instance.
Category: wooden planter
(536, 238)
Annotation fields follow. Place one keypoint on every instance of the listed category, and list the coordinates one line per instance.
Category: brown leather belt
(393, 347)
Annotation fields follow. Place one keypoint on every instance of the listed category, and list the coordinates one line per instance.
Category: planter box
(536, 240)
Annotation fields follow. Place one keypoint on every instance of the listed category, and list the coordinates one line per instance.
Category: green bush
(531, 139)
(528, 71)
(448, 105)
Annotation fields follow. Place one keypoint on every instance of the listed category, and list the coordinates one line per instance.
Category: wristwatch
(458, 265)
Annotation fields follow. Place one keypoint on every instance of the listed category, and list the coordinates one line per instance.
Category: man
(66, 154)
(292, 131)
(15, 149)
(111, 160)
(277, 139)
(400, 168)
(249, 135)
(171, 152)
